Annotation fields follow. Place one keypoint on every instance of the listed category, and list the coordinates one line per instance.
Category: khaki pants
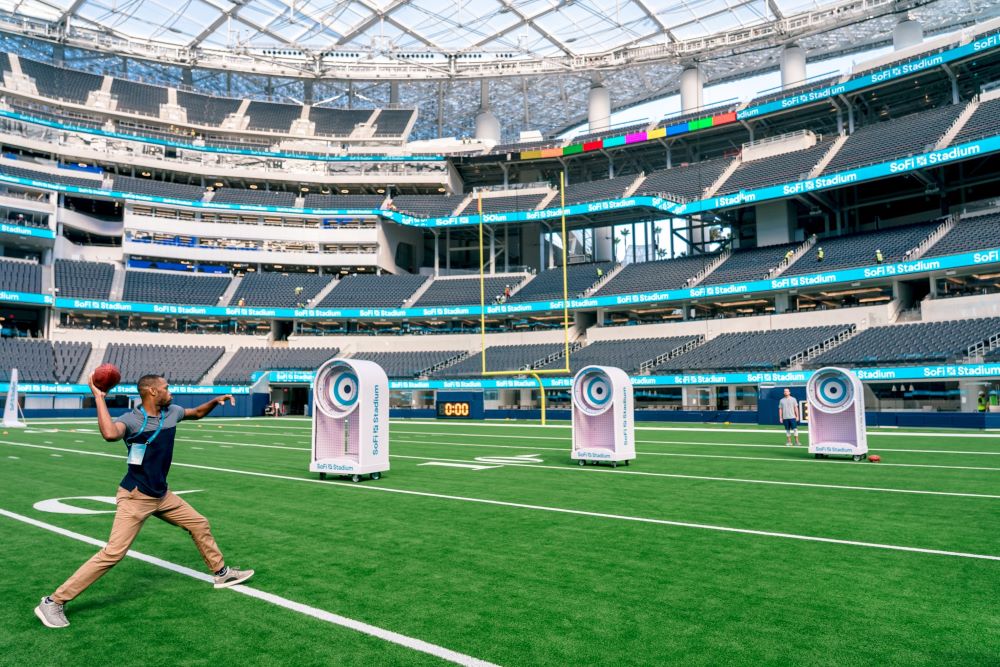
(134, 507)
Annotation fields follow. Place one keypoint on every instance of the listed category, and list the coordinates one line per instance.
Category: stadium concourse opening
(783, 256)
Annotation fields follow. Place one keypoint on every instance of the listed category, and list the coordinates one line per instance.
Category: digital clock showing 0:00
(454, 409)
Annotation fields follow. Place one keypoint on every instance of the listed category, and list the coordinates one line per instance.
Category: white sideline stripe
(765, 431)
(619, 471)
(644, 453)
(682, 442)
(464, 463)
(993, 433)
(709, 456)
(505, 436)
(319, 614)
(254, 422)
(558, 510)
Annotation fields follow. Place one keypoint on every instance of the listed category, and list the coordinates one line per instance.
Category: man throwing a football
(148, 432)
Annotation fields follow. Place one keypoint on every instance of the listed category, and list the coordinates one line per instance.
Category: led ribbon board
(350, 430)
(603, 416)
(836, 414)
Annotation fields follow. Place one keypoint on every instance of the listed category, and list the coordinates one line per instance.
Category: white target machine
(836, 402)
(350, 426)
(603, 416)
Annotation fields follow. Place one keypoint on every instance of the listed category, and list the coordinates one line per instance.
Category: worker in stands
(789, 255)
(879, 259)
(982, 402)
(820, 255)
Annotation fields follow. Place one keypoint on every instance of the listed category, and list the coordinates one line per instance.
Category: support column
(308, 92)
(506, 249)
(793, 66)
(604, 245)
(437, 253)
(598, 107)
(907, 33)
(969, 394)
(775, 223)
(692, 86)
(487, 124)
(393, 93)
(493, 251)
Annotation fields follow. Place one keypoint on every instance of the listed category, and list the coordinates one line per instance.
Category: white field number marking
(57, 506)
(468, 466)
(519, 458)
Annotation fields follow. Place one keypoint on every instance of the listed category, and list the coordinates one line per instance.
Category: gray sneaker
(231, 577)
(52, 615)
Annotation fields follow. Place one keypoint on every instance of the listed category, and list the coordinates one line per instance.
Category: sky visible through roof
(528, 28)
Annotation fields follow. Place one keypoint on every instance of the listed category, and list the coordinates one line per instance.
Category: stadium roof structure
(540, 56)
(445, 39)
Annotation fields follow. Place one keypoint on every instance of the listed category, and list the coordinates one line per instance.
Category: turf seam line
(319, 614)
(562, 510)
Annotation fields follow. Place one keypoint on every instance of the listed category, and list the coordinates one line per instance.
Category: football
(875, 458)
(106, 377)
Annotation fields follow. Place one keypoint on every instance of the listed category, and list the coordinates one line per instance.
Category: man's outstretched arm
(203, 409)
(110, 430)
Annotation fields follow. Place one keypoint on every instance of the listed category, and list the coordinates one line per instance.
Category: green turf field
(717, 546)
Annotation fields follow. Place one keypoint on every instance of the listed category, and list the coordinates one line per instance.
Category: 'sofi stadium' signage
(314, 157)
(796, 378)
(21, 230)
(122, 389)
(936, 158)
(888, 73)
(946, 262)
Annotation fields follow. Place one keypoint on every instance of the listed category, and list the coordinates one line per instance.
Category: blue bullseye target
(337, 389)
(831, 390)
(592, 392)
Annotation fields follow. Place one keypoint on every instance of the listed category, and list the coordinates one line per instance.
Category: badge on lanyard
(137, 451)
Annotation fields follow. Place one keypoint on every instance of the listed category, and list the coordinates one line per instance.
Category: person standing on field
(788, 414)
(148, 431)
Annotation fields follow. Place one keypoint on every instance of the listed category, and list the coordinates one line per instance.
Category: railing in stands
(650, 364)
(921, 248)
(796, 254)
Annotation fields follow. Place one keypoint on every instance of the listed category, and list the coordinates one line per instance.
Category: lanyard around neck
(145, 420)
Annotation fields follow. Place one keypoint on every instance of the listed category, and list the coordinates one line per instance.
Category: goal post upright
(534, 373)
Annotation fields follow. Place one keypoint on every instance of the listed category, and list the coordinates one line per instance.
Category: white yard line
(566, 440)
(375, 488)
(727, 429)
(707, 456)
(622, 471)
(320, 614)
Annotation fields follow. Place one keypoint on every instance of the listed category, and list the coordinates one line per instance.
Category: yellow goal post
(536, 374)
